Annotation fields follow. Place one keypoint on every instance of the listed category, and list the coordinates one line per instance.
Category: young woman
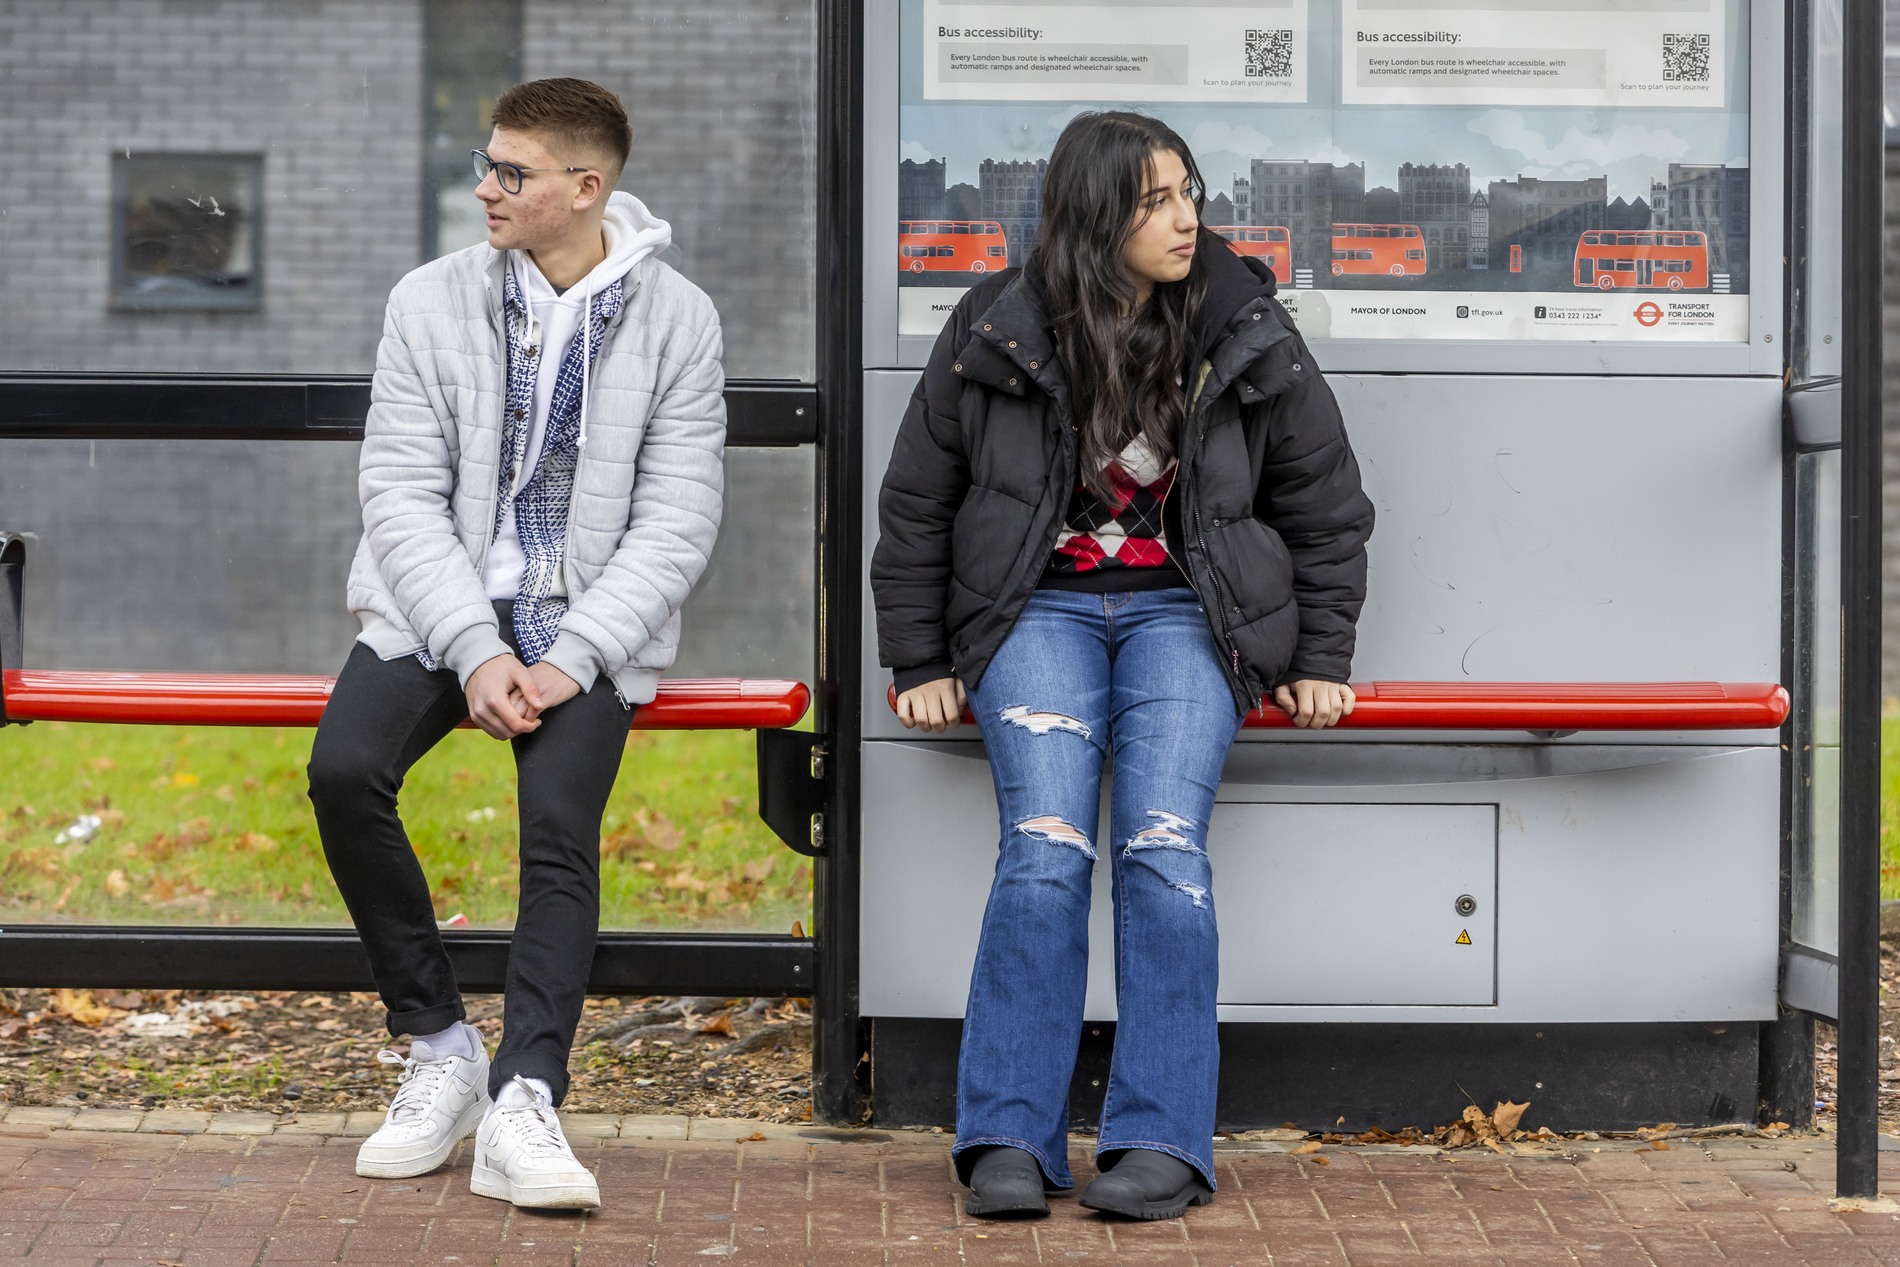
(1121, 512)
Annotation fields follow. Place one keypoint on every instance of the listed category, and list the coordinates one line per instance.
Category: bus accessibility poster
(1562, 170)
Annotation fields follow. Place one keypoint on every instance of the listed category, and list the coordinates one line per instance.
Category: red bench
(1551, 706)
(267, 699)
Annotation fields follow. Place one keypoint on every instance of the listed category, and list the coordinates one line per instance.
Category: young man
(541, 482)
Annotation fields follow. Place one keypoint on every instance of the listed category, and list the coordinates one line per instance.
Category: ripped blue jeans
(1081, 677)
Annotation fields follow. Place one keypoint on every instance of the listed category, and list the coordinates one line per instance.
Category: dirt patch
(288, 1050)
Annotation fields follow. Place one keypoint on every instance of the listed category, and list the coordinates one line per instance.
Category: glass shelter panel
(230, 557)
(234, 185)
(1815, 228)
(1815, 906)
(1557, 173)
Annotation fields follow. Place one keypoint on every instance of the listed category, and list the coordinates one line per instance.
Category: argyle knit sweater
(1118, 541)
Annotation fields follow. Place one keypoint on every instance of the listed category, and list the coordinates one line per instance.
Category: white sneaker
(439, 1101)
(521, 1155)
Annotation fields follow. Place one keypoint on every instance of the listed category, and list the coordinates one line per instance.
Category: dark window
(186, 231)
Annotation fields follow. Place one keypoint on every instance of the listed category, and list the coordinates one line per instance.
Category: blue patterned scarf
(542, 504)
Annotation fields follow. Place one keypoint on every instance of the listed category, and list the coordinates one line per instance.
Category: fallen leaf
(1340, 1120)
(721, 1024)
(1661, 1145)
(1322, 1161)
(1310, 1146)
(41, 861)
(1507, 1115)
(798, 928)
(684, 879)
(756, 1137)
(13, 1028)
(255, 842)
(226, 793)
(116, 884)
(78, 1007)
(759, 870)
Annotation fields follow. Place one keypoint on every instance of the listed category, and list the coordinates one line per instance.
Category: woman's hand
(1314, 705)
(935, 705)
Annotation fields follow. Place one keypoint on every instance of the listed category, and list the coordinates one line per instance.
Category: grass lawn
(211, 825)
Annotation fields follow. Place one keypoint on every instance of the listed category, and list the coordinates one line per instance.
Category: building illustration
(1437, 198)
(1523, 232)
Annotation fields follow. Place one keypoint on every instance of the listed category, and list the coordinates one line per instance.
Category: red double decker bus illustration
(1397, 250)
(1643, 259)
(951, 246)
(1269, 242)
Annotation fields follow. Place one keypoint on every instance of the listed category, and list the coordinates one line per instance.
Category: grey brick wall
(327, 90)
(720, 93)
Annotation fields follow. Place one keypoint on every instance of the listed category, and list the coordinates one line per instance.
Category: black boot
(1146, 1184)
(1006, 1183)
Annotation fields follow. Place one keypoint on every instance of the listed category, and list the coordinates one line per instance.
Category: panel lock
(1466, 904)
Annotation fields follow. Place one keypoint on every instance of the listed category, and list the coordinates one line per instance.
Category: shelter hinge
(792, 788)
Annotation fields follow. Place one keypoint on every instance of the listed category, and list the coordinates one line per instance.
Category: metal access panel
(1632, 883)
(1328, 904)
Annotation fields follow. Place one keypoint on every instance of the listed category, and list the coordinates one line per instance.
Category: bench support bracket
(792, 788)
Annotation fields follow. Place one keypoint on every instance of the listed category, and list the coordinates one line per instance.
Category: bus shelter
(1597, 287)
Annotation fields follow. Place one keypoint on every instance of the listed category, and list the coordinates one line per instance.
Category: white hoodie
(631, 233)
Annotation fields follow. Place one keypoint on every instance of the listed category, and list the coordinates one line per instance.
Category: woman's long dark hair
(1124, 364)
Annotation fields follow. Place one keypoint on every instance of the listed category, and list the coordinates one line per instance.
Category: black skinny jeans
(382, 717)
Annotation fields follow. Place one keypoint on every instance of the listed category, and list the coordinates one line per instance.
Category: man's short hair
(573, 114)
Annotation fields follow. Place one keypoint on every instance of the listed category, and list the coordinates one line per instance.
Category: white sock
(459, 1039)
(516, 1096)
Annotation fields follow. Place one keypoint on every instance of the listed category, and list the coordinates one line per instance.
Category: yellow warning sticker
(1464, 937)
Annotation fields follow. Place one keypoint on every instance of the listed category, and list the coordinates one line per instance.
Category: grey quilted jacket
(647, 493)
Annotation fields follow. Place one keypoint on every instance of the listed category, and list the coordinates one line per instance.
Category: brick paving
(179, 1189)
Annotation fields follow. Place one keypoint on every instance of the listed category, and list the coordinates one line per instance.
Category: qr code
(1270, 54)
(1686, 59)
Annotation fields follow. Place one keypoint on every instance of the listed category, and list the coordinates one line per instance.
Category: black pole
(840, 1076)
(1863, 171)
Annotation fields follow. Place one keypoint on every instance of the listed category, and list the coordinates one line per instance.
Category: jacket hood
(630, 233)
(1233, 282)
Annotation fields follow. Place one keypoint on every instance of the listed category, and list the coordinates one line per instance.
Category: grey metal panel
(1814, 414)
(1297, 880)
(1811, 981)
(1639, 892)
(880, 186)
(1534, 529)
(1767, 102)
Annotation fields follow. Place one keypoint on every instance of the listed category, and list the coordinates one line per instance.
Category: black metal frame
(840, 1047)
(759, 413)
(1863, 169)
(144, 957)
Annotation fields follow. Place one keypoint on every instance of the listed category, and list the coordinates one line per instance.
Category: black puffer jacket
(1273, 519)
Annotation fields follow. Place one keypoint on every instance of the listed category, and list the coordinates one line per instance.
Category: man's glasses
(508, 175)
